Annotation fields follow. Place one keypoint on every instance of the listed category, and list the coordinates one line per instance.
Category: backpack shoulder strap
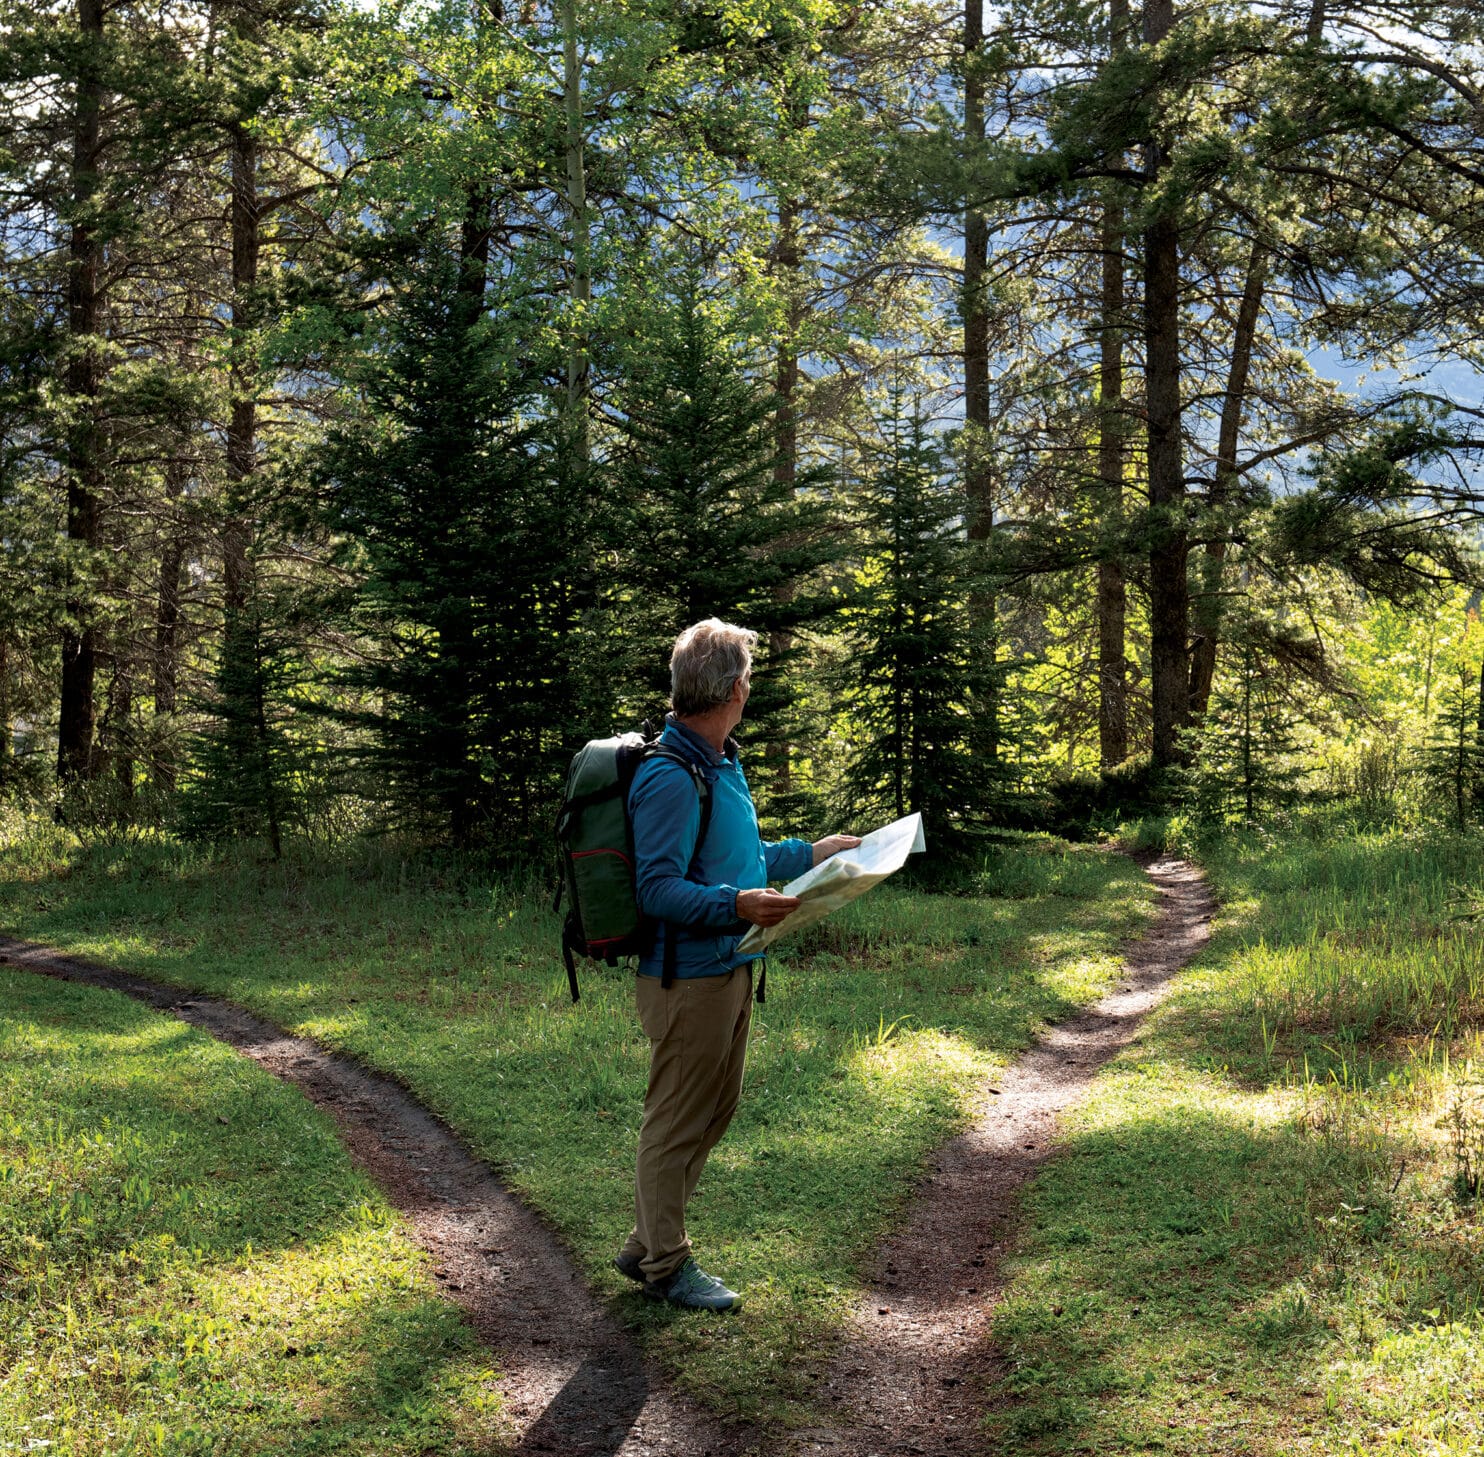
(703, 792)
(698, 778)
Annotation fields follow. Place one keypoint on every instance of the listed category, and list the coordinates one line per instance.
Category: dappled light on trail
(1257, 1239)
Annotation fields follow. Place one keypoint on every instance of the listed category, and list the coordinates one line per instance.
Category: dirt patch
(912, 1377)
(574, 1386)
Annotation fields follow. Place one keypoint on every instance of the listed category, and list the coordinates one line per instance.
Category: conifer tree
(248, 762)
(1453, 759)
(711, 527)
(915, 667)
(447, 496)
(1244, 761)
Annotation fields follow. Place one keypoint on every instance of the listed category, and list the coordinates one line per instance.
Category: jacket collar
(698, 746)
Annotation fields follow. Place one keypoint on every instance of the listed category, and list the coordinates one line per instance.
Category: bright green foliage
(190, 1264)
(918, 664)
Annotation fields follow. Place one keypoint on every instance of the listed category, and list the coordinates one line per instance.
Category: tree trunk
(1209, 602)
(1112, 585)
(167, 638)
(978, 473)
(1461, 756)
(787, 259)
(6, 749)
(243, 423)
(1169, 589)
(84, 445)
(577, 356)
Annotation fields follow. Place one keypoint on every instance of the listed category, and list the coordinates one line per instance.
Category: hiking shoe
(628, 1267)
(691, 1288)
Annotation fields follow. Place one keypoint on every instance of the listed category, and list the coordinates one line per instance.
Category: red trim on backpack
(583, 854)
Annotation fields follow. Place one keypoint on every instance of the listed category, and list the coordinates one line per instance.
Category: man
(700, 899)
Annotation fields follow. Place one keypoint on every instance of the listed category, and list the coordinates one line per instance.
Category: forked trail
(911, 1378)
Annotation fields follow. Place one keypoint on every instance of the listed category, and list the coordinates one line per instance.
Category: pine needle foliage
(711, 525)
(1453, 758)
(917, 662)
(449, 497)
(249, 762)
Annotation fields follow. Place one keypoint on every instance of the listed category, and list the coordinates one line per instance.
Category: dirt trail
(912, 1378)
(574, 1385)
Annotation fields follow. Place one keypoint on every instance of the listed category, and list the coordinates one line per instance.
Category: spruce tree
(711, 527)
(248, 762)
(1453, 759)
(447, 496)
(915, 666)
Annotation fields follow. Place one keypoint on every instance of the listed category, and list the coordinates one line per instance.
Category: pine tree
(1245, 756)
(248, 764)
(448, 497)
(915, 666)
(712, 529)
(1453, 759)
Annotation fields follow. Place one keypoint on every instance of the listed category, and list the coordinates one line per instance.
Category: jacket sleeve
(787, 859)
(665, 811)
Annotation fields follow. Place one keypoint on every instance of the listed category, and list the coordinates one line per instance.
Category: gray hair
(706, 661)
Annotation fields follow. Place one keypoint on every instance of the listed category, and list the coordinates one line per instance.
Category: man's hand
(833, 844)
(764, 907)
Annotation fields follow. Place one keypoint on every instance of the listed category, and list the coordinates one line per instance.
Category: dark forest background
(1059, 391)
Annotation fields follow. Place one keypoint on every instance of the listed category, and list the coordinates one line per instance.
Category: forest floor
(1258, 1236)
(1255, 1235)
(878, 1032)
(921, 1363)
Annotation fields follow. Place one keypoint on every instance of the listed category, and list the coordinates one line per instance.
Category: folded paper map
(841, 878)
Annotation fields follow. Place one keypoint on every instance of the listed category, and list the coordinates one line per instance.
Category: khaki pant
(697, 1030)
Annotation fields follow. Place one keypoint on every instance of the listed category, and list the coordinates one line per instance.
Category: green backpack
(596, 842)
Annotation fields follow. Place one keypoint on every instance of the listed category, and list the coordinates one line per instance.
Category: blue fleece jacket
(691, 893)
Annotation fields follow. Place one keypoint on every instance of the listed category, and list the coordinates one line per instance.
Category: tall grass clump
(1356, 938)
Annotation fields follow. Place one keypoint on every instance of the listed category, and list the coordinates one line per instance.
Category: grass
(1258, 1239)
(877, 1029)
(189, 1264)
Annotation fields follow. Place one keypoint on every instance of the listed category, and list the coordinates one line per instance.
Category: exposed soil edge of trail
(573, 1383)
(911, 1378)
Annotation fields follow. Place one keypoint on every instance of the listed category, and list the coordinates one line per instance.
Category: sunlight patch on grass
(1255, 1240)
(189, 1264)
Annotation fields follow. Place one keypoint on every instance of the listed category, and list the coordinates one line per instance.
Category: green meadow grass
(189, 1263)
(1255, 1240)
(877, 1029)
